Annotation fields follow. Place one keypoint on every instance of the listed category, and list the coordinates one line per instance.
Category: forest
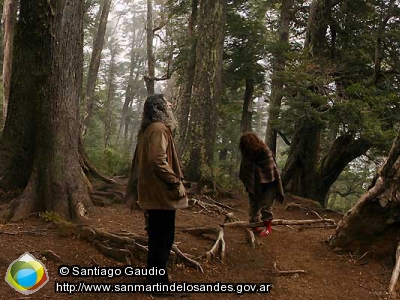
(317, 80)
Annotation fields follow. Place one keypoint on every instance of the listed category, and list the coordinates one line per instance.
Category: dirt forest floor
(329, 274)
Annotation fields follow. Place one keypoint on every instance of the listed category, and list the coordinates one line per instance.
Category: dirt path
(330, 275)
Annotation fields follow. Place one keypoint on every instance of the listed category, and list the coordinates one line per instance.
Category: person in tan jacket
(156, 181)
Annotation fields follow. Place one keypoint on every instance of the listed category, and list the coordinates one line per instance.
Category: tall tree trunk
(95, 64)
(375, 219)
(183, 110)
(247, 111)
(108, 121)
(10, 9)
(135, 63)
(207, 90)
(45, 109)
(278, 66)
(149, 78)
(300, 171)
(259, 117)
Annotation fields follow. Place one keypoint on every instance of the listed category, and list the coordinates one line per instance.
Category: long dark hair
(155, 110)
(251, 145)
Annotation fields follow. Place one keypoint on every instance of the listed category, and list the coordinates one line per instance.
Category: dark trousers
(161, 231)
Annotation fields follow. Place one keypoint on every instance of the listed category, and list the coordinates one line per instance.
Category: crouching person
(260, 175)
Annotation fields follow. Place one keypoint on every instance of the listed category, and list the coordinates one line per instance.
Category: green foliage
(352, 184)
(109, 160)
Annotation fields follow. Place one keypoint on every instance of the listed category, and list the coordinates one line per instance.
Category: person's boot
(267, 229)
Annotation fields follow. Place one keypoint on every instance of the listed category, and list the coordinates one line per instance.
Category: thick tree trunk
(183, 110)
(10, 9)
(375, 219)
(108, 121)
(48, 104)
(149, 78)
(247, 111)
(300, 172)
(342, 152)
(207, 90)
(95, 64)
(279, 62)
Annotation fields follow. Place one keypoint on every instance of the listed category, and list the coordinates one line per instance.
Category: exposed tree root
(38, 231)
(251, 237)
(218, 249)
(51, 255)
(88, 167)
(230, 217)
(395, 275)
(121, 247)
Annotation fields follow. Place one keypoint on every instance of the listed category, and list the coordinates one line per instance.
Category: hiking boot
(267, 229)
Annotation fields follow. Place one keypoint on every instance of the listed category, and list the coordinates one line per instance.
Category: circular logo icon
(27, 274)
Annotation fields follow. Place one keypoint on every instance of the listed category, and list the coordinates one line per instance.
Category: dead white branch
(285, 272)
(251, 237)
(219, 204)
(210, 208)
(395, 275)
(218, 249)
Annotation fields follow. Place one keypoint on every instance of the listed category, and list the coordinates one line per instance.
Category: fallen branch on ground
(210, 208)
(39, 231)
(285, 272)
(219, 204)
(278, 222)
(395, 275)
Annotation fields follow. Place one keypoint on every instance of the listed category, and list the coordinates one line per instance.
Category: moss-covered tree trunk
(39, 148)
(375, 219)
(207, 90)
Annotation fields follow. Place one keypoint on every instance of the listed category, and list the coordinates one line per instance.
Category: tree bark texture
(183, 110)
(278, 66)
(301, 172)
(43, 117)
(375, 219)
(149, 78)
(108, 121)
(247, 111)
(207, 89)
(95, 64)
(10, 8)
